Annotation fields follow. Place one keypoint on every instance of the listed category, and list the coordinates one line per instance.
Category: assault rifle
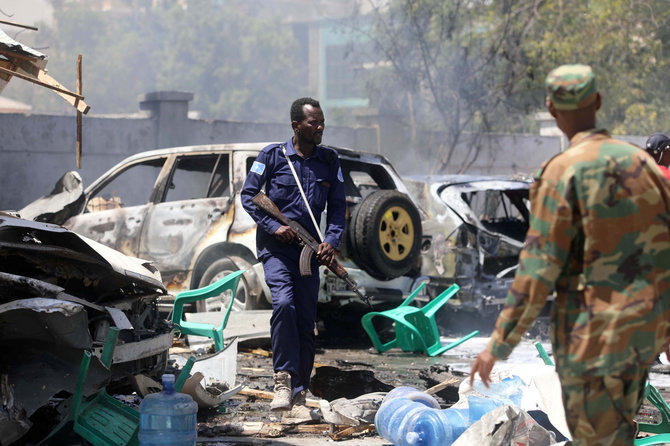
(309, 244)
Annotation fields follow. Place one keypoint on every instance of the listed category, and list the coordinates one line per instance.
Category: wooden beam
(5, 22)
(44, 80)
(79, 114)
(451, 381)
(11, 55)
(350, 431)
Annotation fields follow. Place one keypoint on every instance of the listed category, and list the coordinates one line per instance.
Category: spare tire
(385, 234)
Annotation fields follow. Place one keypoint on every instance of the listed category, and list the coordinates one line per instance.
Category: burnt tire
(385, 234)
(245, 297)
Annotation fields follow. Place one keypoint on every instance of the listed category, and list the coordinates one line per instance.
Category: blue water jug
(396, 418)
(168, 417)
(408, 416)
(438, 427)
(412, 394)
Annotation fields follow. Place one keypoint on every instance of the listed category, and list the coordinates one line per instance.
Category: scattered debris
(59, 294)
(506, 425)
(352, 412)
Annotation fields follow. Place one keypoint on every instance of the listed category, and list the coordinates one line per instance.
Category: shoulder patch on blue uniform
(258, 168)
(339, 175)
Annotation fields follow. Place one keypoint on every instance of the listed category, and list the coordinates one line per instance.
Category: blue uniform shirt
(322, 182)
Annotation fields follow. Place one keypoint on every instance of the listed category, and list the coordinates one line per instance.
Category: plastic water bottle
(412, 394)
(408, 416)
(398, 410)
(508, 390)
(168, 417)
(438, 427)
(396, 418)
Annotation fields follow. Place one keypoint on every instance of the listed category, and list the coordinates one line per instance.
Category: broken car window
(130, 187)
(499, 213)
(199, 176)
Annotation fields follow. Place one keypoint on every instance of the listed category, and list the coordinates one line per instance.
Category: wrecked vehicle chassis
(474, 230)
(59, 294)
(180, 208)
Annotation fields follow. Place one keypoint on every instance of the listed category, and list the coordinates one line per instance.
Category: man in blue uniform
(294, 298)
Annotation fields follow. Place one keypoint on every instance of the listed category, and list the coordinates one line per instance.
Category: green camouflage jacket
(599, 237)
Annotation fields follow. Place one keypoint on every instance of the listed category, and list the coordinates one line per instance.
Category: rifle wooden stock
(310, 245)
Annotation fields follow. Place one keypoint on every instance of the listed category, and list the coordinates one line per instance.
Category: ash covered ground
(347, 366)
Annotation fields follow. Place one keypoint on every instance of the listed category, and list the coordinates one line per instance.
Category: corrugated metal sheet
(9, 44)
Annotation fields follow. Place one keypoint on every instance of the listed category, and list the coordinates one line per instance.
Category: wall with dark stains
(36, 150)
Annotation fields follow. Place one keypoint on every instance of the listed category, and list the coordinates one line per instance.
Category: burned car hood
(65, 200)
(81, 266)
(449, 188)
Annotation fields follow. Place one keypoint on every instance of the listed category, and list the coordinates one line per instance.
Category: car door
(497, 214)
(115, 210)
(194, 207)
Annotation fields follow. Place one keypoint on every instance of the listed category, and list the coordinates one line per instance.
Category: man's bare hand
(326, 254)
(286, 234)
(483, 365)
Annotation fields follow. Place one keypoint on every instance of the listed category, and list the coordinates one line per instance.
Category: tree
(625, 41)
(466, 68)
(450, 68)
(239, 66)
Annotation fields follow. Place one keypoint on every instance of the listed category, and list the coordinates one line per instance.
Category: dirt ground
(339, 373)
(346, 367)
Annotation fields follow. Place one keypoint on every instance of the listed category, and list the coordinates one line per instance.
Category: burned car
(180, 208)
(59, 294)
(473, 232)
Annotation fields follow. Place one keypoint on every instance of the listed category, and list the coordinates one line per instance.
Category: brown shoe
(299, 412)
(283, 392)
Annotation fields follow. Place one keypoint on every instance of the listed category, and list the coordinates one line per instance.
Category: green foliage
(460, 67)
(238, 66)
(480, 65)
(451, 69)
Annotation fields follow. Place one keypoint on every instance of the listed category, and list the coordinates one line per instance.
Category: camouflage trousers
(600, 409)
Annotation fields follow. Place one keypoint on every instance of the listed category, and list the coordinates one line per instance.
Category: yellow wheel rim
(396, 233)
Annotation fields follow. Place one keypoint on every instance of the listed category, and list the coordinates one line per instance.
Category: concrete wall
(36, 150)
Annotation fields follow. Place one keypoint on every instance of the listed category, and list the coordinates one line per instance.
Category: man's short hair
(297, 114)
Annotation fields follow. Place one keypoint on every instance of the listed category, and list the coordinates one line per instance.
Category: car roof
(474, 182)
(467, 178)
(250, 146)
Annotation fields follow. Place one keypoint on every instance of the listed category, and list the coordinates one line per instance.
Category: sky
(25, 12)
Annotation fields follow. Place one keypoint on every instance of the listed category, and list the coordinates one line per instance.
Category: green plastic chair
(102, 420)
(229, 282)
(415, 328)
(662, 429)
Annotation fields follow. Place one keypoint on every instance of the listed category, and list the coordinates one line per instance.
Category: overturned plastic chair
(227, 283)
(662, 429)
(101, 419)
(415, 328)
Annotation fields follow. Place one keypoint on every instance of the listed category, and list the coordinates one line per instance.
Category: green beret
(571, 87)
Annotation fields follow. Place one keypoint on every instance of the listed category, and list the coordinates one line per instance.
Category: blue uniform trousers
(294, 302)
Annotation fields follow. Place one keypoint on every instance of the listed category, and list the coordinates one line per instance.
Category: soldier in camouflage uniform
(599, 237)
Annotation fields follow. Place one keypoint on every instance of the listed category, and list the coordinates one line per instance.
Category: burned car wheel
(244, 296)
(385, 234)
